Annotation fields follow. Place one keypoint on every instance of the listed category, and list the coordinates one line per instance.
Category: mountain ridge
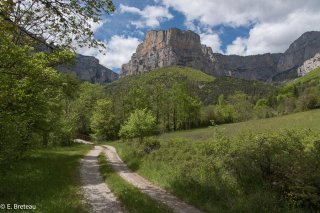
(174, 47)
(88, 68)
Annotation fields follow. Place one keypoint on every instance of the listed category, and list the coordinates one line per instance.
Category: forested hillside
(178, 95)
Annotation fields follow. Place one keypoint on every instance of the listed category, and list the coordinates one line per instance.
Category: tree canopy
(139, 124)
(59, 22)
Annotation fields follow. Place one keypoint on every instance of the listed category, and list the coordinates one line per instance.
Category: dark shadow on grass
(42, 178)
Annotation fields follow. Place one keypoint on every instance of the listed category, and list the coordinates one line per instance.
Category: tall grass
(260, 166)
(48, 179)
(129, 195)
(307, 120)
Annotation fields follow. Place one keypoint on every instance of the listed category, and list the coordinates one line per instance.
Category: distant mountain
(183, 48)
(88, 68)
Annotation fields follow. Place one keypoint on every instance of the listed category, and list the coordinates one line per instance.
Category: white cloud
(277, 23)
(150, 16)
(241, 12)
(211, 40)
(275, 37)
(238, 47)
(119, 51)
(128, 9)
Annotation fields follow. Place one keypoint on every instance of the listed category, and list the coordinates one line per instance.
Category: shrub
(141, 123)
(287, 162)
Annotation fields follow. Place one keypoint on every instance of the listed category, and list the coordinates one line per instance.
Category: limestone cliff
(309, 65)
(88, 68)
(166, 48)
(175, 47)
(302, 49)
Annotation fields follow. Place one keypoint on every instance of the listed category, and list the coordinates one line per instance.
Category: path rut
(98, 196)
(145, 186)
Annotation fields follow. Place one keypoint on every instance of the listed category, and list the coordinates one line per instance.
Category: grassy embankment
(221, 169)
(307, 120)
(130, 196)
(47, 178)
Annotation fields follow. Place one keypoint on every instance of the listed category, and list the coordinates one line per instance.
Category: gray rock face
(175, 47)
(309, 65)
(167, 48)
(87, 68)
(302, 49)
(256, 67)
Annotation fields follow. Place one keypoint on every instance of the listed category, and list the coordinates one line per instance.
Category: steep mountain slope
(309, 65)
(175, 47)
(311, 79)
(302, 49)
(88, 68)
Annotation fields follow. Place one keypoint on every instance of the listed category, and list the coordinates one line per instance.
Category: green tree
(102, 122)
(242, 105)
(83, 106)
(225, 113)
(309, 99)
(141, 123)
(262, 109)
(31, 93)
(221, 100)
(184, 108)
(54, 21)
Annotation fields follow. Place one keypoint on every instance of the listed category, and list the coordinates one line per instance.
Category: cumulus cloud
(238, 47)
(150, 16)
(276, 23)
(211, 40)
(119, 51)
(275, 37)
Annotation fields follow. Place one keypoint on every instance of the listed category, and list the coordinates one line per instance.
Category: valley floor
(242, 167)
(216, 169)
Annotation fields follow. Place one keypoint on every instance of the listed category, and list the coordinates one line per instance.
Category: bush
(275, 172)
(150, 145)
(287, 162)
(141, 123)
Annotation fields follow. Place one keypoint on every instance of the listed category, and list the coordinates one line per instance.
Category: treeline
(178, 97)
(300, 95)
(172, 98)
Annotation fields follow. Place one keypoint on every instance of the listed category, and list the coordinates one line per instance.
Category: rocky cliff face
(302, 49)
(87, 68)
(175, 47)
(167, 48)
(309, 65)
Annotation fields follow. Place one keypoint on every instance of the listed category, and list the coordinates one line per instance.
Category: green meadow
(267, 165)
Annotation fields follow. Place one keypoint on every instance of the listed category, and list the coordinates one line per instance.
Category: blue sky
(243, 27)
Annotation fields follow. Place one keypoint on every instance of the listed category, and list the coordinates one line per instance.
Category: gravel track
(97, 194)
(145, 186)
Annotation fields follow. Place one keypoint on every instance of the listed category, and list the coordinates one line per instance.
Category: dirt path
(97, 194)
(145, 186)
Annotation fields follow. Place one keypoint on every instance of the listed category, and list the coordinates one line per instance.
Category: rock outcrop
(88, 68)
(166, 48)
(302, 49)
(309, 65)
(174, 47)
